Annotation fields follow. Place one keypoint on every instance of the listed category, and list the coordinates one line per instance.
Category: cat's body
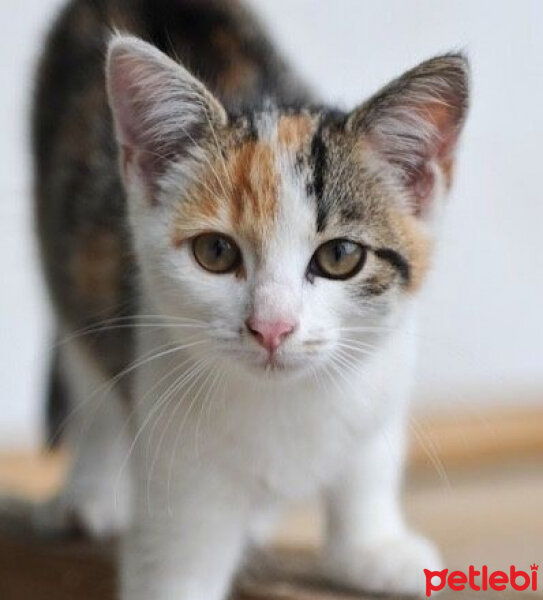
(251, 272)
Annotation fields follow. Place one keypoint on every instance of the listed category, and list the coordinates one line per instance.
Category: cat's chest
(290, 444)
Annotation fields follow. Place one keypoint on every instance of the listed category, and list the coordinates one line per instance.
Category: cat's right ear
(414, 124)
(161, 112)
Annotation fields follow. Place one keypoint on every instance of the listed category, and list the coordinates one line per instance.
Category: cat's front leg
(369, 546)
(187, 550)
(96, 497)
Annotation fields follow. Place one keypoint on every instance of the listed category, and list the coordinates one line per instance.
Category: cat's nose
(270, 334)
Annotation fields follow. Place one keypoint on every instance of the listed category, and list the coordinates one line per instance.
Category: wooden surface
(38, 570)
(34, 570)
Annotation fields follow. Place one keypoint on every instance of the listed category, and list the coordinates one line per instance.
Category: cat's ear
(161, 112)
(414, 124)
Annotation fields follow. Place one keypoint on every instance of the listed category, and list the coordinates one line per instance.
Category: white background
(482, 339)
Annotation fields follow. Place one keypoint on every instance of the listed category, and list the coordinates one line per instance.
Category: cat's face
(292, 238)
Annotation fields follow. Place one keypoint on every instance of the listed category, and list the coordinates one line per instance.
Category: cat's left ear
(162, 113)
(414, 124)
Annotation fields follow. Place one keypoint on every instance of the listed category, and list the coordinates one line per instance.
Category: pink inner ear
(160, 109)
(438, 149)
(133, 99)
(444, 118)
(422, 185)
(415, 121)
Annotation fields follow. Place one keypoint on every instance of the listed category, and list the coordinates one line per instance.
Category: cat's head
(290, 236)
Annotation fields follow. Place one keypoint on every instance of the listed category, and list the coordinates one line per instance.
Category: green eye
(338, 259)
(216, 253)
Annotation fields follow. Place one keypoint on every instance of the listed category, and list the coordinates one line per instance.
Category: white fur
(97, 494)
(222, 444)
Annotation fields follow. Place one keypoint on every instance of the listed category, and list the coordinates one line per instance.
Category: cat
(234, 269)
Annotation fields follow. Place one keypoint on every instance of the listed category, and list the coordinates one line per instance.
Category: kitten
(234, 271)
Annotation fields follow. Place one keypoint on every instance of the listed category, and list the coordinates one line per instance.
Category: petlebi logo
(483, 580)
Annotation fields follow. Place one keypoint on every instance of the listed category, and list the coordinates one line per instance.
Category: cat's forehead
(258, 175)
(298, 169)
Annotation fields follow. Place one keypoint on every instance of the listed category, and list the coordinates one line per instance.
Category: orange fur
(294, 131)
(238, 195)
(254, 185)
(416, 246)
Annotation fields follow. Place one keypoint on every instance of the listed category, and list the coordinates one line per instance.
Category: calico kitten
(234, 271)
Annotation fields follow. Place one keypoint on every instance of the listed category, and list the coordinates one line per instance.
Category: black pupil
(342, 249)
(218, 247)
(339, 251)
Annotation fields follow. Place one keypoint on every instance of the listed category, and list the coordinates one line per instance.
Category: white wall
(482, 338)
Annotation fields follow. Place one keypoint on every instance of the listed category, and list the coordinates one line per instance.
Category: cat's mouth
(286, 361)
(275, 363)
(276, 367)
(283, 363)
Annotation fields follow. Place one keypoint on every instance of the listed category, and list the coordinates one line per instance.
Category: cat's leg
(95, 498)
(369, 546)
(189, 549)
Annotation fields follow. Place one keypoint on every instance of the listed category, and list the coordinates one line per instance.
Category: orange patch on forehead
(237, 195)
(294, 131)
(253, 187)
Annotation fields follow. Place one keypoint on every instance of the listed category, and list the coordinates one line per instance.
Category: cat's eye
(216, 253)
(338, 259)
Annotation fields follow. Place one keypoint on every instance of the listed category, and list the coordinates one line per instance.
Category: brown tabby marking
(96, 267)
(241, 73)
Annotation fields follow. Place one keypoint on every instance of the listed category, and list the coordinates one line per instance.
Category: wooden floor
(484, 508)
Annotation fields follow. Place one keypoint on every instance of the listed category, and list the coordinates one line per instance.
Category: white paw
(94, 515)
(393, 566)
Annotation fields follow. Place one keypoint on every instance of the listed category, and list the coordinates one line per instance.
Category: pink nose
(270, 334)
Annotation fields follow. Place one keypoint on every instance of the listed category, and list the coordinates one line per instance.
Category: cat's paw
(392, 566)
(94, 516)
